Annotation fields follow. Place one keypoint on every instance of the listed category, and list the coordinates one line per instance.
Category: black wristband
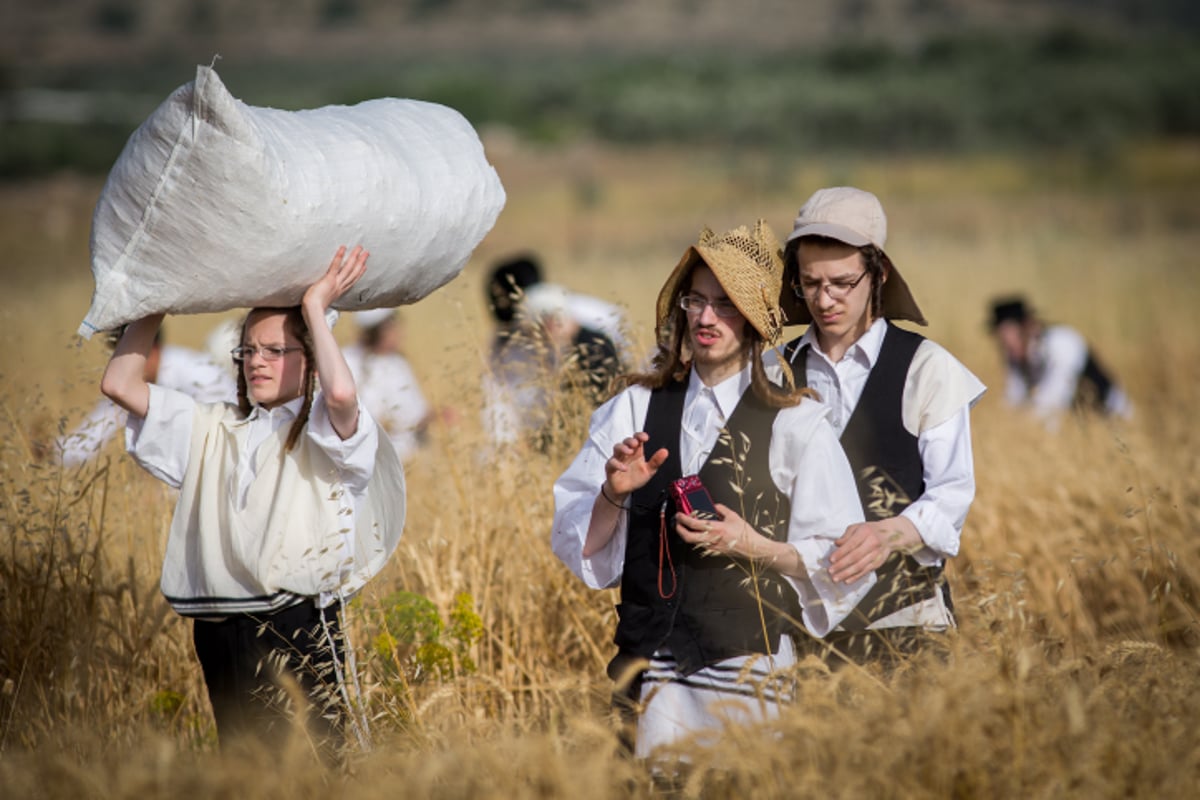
(604, 494)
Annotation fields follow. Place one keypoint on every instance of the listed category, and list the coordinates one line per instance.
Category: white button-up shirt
(938, 394)
(161, 443)
(806, 463)
(1057, 360)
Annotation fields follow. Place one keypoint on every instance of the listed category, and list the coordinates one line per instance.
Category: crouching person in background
(708, 601)
(288, 503)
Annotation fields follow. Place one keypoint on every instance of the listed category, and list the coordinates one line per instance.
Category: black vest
(1094, 386)
(887, 467)
(716, 607)
(1091, 390)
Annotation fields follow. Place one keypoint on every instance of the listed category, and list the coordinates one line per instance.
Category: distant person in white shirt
(170, 366)
(386, 382)
(516, 394)
(901, 407)
(585, 358)
(1051, 368)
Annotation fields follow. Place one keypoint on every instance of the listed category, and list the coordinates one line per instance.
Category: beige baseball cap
(855, 217)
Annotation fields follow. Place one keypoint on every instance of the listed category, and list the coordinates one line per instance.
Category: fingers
(853, 571)
(714, 536)
(626, 449)
(658, 459)
(727, 513)
(693, 524)
(631, 447)
(349, 269)
(344, 271)
(857, 553)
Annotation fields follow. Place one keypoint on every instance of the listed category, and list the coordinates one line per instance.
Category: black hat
(508, 276)
(1009, 308)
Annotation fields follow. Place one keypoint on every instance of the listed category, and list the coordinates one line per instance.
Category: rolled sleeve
(601, 570)
(941, 511)
(102, 424)
(160, 441)
(576, 490)
(809, 465)
(354, 456)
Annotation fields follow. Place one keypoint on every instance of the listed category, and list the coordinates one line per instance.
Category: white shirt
(599, 315)
(806, 463)
(180, 369)
(388, 388)
(161, 442)
(935, 407)
(1057, 360)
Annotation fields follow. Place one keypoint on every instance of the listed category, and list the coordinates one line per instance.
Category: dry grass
(1075, 669)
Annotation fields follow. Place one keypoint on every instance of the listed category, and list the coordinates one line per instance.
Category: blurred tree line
(1061, 87)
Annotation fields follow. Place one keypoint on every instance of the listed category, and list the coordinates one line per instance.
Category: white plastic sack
(215, 205)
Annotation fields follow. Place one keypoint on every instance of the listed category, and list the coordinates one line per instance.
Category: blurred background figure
(1051, 368)
(524, 354)
(220, 342)
(386, 382)
(584, 358)
(174, 367)
(512, 278)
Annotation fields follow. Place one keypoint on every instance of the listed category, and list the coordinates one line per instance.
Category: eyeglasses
(837, 290)
(268, 352)
(694, 304)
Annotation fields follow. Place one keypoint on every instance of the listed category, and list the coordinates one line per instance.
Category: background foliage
(1055, 155)
(933, 76)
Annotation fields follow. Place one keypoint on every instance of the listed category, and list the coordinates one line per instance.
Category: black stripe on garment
(224, 606)
(760, 681)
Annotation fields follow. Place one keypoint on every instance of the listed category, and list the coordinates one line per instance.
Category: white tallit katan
(290, 540)
(215, 204)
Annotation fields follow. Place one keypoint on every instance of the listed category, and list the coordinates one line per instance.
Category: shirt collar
(278, 415)
(867, 347)
(727, 393)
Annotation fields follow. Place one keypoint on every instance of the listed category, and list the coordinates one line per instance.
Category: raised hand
(629, 469)
(344, 271)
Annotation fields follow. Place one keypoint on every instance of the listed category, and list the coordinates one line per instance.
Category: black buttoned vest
(888, 470)
(715, 607)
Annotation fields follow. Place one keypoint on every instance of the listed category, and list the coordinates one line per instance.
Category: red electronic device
(692, 498)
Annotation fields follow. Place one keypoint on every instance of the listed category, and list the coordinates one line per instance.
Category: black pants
(247, 661)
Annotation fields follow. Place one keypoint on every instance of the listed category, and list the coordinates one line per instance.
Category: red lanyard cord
(663, 547)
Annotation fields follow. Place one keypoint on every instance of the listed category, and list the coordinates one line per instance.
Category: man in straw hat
(708, 604)
(900, 405)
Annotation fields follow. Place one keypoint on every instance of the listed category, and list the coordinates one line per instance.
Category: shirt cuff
(354, 456)
(825, 602)
(941, 538)
(601, 570)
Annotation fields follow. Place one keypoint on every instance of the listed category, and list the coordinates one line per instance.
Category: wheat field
(480, 659)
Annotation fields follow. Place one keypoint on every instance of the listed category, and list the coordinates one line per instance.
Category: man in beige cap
(703, 599)
(900, 405)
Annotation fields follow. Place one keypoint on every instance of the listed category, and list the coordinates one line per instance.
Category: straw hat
(855, 217)
(749, 266)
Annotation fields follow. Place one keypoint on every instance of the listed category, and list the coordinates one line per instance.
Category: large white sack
(214, 204)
